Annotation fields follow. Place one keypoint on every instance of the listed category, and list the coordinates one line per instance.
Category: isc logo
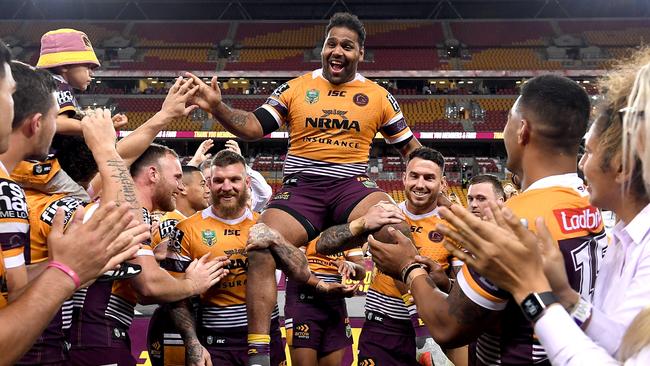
(232, 232)
(336, 93)
(416, 229)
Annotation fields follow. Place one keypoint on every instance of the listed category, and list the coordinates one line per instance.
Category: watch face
(531, 307)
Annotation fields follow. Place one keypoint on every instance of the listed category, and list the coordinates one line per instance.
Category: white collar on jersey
(59, 78)
(2, 166)
(412, 216)
(319, 73)
(248, 214)
(570, 180)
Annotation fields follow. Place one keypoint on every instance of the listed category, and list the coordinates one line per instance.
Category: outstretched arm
(238, 122)
(353, 234)
(453, 320)
(133, 145)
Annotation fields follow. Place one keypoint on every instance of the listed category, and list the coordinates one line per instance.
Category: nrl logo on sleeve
(312, 96)
(572, 220)
(42, 169)
(208, 237)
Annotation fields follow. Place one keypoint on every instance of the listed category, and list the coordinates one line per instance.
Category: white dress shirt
(260, 190)
(566, 344)
(622, 290)
(623, 285)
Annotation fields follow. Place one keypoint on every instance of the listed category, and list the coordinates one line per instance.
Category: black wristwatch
(534, 304)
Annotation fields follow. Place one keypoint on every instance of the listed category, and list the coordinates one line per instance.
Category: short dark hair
(34, 91)
(188, 169)
(5, 57)
(150, 157)
(493, 180)
(349, 21)
(75, 158)
(227, 157)
(560, 111)
(430, 154)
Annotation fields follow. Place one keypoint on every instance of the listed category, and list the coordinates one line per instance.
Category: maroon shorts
(96, 356)
(319, 202)
(387, 342)
(315, 322)
(230, 348)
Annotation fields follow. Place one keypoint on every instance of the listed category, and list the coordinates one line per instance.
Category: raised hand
(232, 145)
(98, 131)
(178, 97)
(207, 96)
(119, 120)
(201, 153)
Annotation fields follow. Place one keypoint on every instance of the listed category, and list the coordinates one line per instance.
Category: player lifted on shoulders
(332, 114)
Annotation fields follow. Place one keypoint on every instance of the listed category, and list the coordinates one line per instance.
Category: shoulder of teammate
(480, 290)
(273, 113)
(166, 224)
(179, 250)
(14, 220)
(65, 97)
(566, 212)
(393, 127)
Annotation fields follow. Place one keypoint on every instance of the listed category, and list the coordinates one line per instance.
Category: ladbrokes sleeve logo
(12, 200)
(572, 220)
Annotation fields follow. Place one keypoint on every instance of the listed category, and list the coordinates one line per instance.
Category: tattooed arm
(336, 239)
(453, 320)
(117, 184)
(195, 353)
(238, 122)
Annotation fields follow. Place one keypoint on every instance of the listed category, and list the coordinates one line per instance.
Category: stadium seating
(191, 34)
(98, 31)
(628, 32)
(496, 114)
(181, 59)
(502, 33)
(422, 114)
(486, 165)
(509, 59)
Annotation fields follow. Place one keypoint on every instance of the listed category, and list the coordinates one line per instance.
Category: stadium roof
(318, 9)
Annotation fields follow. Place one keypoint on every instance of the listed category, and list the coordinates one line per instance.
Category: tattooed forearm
(337, 239)
(183, 319)
(239, 118)
(121, 176)
(292, 261)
